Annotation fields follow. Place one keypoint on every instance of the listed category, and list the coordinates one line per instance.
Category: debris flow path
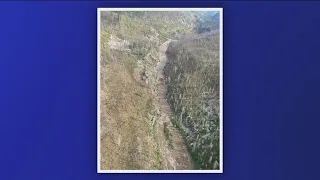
(174, 153)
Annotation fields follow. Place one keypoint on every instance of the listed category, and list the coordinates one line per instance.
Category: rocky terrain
(138, 120)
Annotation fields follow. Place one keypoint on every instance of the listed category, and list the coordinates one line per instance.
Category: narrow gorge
(150, 117)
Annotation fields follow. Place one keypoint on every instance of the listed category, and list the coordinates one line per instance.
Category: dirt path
(172, 148)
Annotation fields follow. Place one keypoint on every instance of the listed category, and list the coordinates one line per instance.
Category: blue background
(48, 90)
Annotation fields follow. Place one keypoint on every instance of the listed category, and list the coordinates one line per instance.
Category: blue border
(48, 90)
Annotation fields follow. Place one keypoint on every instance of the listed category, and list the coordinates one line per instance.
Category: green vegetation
(159, 162)
(130, 45)
(167, 135)
(192, 78)
(150, 109)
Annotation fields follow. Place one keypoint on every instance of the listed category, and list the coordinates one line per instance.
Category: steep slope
(172, 146)
(129, 129)
(207, 21)
(192, 78)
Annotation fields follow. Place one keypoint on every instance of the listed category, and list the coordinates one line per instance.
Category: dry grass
(126, 138)
(132, 136)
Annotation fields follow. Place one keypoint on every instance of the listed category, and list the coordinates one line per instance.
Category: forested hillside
(192, 78)
(131, 121)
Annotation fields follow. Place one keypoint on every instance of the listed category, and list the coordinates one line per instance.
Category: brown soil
(127, 140)
(174, 154)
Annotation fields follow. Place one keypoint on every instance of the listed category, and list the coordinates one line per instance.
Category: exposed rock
(116, 43)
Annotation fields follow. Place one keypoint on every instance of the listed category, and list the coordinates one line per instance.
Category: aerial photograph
(159, 89)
